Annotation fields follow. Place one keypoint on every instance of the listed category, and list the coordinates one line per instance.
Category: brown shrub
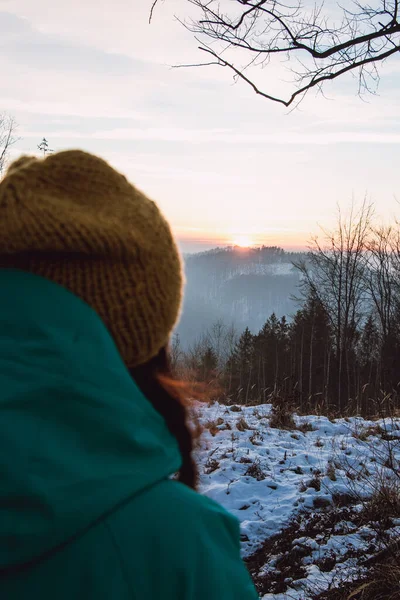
(381, 583)
(242, 424)
(211, 465)
(365, 432)
(305, 427)
(384, 503)
(331, 471)
(213, 425)
(255, 470)
(282, 414)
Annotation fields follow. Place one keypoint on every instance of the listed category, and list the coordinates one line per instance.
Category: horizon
(204, 244)
(235, 247)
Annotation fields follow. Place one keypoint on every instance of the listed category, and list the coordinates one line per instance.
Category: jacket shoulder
(174, 512)
(172, 538)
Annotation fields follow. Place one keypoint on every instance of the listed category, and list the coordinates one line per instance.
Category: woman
(91, 430)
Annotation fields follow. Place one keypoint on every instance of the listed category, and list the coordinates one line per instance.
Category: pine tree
(240, 367)
(272, 356)
(311, 344)
(368, 363)
(44, 147)
(208, 364)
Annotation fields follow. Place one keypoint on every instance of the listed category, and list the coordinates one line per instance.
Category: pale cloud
(60, 107)
(225, 136)
(120, 26)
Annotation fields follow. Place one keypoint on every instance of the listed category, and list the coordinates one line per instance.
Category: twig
(152, 10)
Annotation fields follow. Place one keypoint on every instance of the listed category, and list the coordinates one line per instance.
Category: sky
(224, 165)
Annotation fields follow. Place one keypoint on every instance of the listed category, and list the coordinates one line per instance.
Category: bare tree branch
(8, 128)
(153, 6)
(223, 63)
(316, 49)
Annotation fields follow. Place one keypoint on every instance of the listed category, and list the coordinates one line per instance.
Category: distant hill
(241, 286)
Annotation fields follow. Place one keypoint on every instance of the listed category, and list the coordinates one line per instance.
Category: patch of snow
(264, 476)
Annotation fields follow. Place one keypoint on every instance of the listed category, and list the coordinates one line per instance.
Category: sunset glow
(244, 241)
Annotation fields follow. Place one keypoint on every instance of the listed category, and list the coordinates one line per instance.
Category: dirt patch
(279, 563)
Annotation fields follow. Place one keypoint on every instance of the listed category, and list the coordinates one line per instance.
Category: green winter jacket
(87, 506)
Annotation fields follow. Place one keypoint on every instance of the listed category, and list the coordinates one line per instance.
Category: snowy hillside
(302, 495)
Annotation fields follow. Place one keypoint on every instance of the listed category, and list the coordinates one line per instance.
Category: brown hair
(168, 396)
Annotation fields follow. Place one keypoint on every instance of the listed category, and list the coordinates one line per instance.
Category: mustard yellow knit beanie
(76, 221)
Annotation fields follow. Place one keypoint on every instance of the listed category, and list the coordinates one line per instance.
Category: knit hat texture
(76, 221)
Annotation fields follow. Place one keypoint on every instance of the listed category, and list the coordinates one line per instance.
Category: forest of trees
(339, 353)
(239, 286)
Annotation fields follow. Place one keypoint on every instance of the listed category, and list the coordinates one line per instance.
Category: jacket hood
(77, 437)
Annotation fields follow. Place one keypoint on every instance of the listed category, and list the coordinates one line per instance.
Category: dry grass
(211, 465)
(365, 432)
(282, 414)
(242, 424)
(256, 438)
(305, 427)
(314, 482)
(213, 425)
(381, 583)
(384, 504)
(255, 470)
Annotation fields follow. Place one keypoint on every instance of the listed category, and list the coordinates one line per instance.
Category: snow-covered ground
(267, 476)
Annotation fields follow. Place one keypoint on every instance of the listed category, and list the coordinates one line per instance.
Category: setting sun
(243, 241)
